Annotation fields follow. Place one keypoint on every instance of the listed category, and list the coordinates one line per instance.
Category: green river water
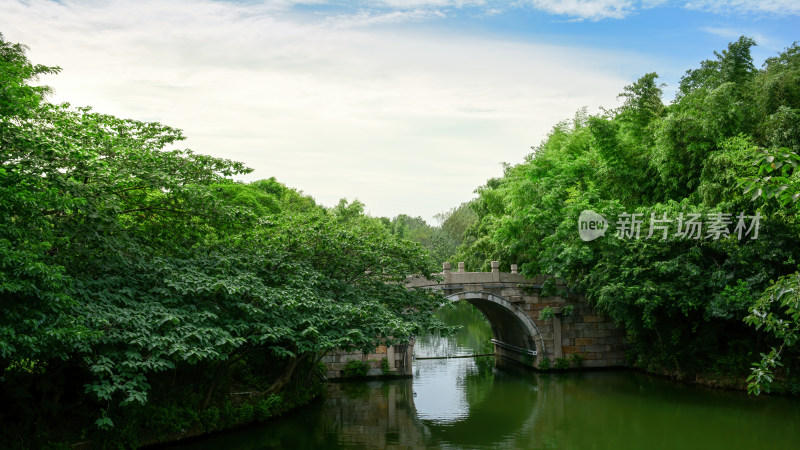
(468, 403)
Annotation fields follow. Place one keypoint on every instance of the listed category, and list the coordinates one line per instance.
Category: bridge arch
(516, 336)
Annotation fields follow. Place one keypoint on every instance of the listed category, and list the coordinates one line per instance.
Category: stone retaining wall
(585, 332)
(399, 357)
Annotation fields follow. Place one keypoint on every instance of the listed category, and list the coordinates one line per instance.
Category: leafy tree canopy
(123, 258)
(682, 301)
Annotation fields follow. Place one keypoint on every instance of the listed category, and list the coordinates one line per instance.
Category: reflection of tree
(525, 410)
(485, 364)
(434, 345)
(496, 410)
(478, 380)
(474, 337)
(502, 406)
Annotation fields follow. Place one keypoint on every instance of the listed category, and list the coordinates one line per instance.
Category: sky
(405, 105)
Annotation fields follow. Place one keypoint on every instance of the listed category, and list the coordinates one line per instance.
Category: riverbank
(161, 426)
(177, 408)
(244, 412)
(454, 403)
(243, 409)
(782, 385)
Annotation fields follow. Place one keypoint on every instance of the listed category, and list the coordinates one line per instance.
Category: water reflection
(473, 338)
(470, 404)
(498, 407)
(445, 390)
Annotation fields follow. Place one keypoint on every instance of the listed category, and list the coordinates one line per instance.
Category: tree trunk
(219, 373)
(284, 379)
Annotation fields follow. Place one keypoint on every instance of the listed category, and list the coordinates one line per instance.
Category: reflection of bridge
(502, 410)
(512, 305)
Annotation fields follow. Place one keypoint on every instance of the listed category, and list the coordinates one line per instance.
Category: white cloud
(653, 3)
(415, 4)
(733, 34)
(406, 121)
(773, 7)
(596, 10)
(587, 9)
(576, 9)
(367, 18)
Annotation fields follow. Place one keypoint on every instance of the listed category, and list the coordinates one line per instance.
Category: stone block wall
(585, 332)
(399, 357)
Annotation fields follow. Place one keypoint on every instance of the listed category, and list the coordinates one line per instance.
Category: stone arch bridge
(512, 304)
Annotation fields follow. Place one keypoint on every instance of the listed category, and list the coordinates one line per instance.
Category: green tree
(682, 301)
(642, 105)
(121, 260)
(777, 311)
(36, 320)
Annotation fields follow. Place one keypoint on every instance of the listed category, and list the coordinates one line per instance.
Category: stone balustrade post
(461, 267)
(496, 271)
(448, 275)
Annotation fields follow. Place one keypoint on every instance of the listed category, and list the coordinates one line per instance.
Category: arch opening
(515, 332)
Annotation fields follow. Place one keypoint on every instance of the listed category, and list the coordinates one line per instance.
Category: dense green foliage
(681, 295)
(441, 241)
(126, 267)
(139, 286)
(778, 308)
